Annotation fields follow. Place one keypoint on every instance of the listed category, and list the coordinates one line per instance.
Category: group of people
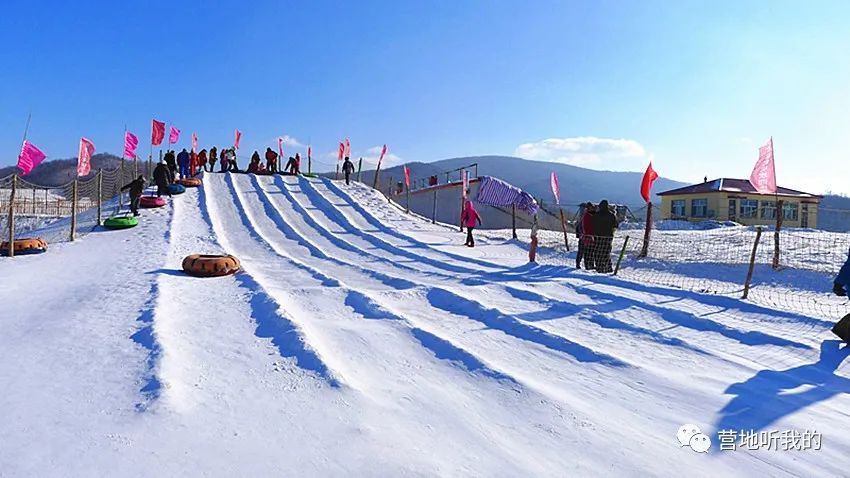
(595, 228)
(256, 166)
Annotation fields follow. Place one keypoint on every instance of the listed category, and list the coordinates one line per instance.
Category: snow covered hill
(360, 341)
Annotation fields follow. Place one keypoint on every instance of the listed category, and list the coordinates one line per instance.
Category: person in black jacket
(604, 224)
(347, 169)
(136, 187)
(162, 178)
(171, 161)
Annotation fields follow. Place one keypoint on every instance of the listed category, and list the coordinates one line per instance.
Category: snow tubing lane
(176, 189)
(24, 246)
(151, 201)
(120, 222)
(202, 265)
(189, 182)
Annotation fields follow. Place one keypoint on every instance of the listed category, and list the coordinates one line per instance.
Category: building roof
(730, 185)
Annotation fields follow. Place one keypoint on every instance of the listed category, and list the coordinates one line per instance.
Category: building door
(804, 216)
(733, 207)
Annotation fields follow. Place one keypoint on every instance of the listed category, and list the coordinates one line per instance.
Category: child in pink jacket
(469, 218)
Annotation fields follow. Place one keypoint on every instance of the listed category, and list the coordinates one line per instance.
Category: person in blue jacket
(183, 162)
(842, 281)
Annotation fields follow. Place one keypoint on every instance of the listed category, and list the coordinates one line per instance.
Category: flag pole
(27, 127)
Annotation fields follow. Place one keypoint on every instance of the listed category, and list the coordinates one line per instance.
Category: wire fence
(62, 213)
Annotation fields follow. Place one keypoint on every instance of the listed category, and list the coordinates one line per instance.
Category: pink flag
(157, 132)
(194, 142)
(406, 176)
(84, 158)
(763, 177)
(556, 188)
(280, 148)
(341, 151)
(237, 136)
(130, 144)
(29, 158)
(347, 148)
(381, 158)
(174, 135)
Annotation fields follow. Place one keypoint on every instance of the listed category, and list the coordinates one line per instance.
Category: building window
(699, 207)
(749, 207)
(789, 211)
(768, 210)
(678, 207)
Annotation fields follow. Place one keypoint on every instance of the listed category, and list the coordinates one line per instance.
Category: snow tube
(120, 222)
(189, 182)
(176, 189)
(201, 265)
(151, 201)
(24, 246)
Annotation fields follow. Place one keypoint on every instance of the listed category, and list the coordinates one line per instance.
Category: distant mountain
(577, 184)
(60, 171)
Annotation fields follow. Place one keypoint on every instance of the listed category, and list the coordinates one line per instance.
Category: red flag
(381, 158)
(29, 158)
(763, 177)
(157, 132)
(84, 158)
(341, 151)
(556, 187)
(649, 177)
(347, 148)
(194, 142)
(407, 177)
(236, 138)
(130, 144)
(173, 135)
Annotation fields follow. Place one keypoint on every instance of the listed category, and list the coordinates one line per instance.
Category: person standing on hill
(296, 166)
(604, 224)
(202, 160)
(162, 178)
(136, 187)
(470, 219)
(183, 162)
(347, 169)
(171, 161)
(586, 241)
(225, 160)
(271, 160)
(213, 158)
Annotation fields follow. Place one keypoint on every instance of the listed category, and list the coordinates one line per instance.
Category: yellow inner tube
(202, 265)
(22, 246)
(189, 182)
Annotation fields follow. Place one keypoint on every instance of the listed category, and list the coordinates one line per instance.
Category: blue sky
(695, 86)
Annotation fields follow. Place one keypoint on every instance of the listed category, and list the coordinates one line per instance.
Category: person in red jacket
(271, 160)
(469, 218)
(202, 160)
(193, 164)
(587, 241)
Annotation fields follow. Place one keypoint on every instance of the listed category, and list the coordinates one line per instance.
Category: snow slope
(362, 341)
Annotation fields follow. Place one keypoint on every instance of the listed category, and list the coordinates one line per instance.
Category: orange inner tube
(189, 182)
(202, 265)
(25, 245)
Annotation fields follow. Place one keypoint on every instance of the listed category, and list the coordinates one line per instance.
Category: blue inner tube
(176, 189)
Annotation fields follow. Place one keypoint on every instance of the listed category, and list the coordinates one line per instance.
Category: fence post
(564, 228)
(434, 209)
(33, 201)
(407, 204)
(11, 251)
(100, 197)
(513, 220)
(779, 215)
(74, 210)
(622, 253)
(359, 168)
(337, 171)
(752, 264)
(644, 250)
(118, 187)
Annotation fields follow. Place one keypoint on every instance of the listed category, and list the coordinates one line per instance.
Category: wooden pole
(513, 220)
(359, 168)
(100, 197)
(779, 217)
(462, 203)
(11, 251)
(749, 279)
(337, 171)
(434, 209)
(74, 210)
(407, 204)
(622, 253)
(118, 187)
(564, 228)
(644, 250)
